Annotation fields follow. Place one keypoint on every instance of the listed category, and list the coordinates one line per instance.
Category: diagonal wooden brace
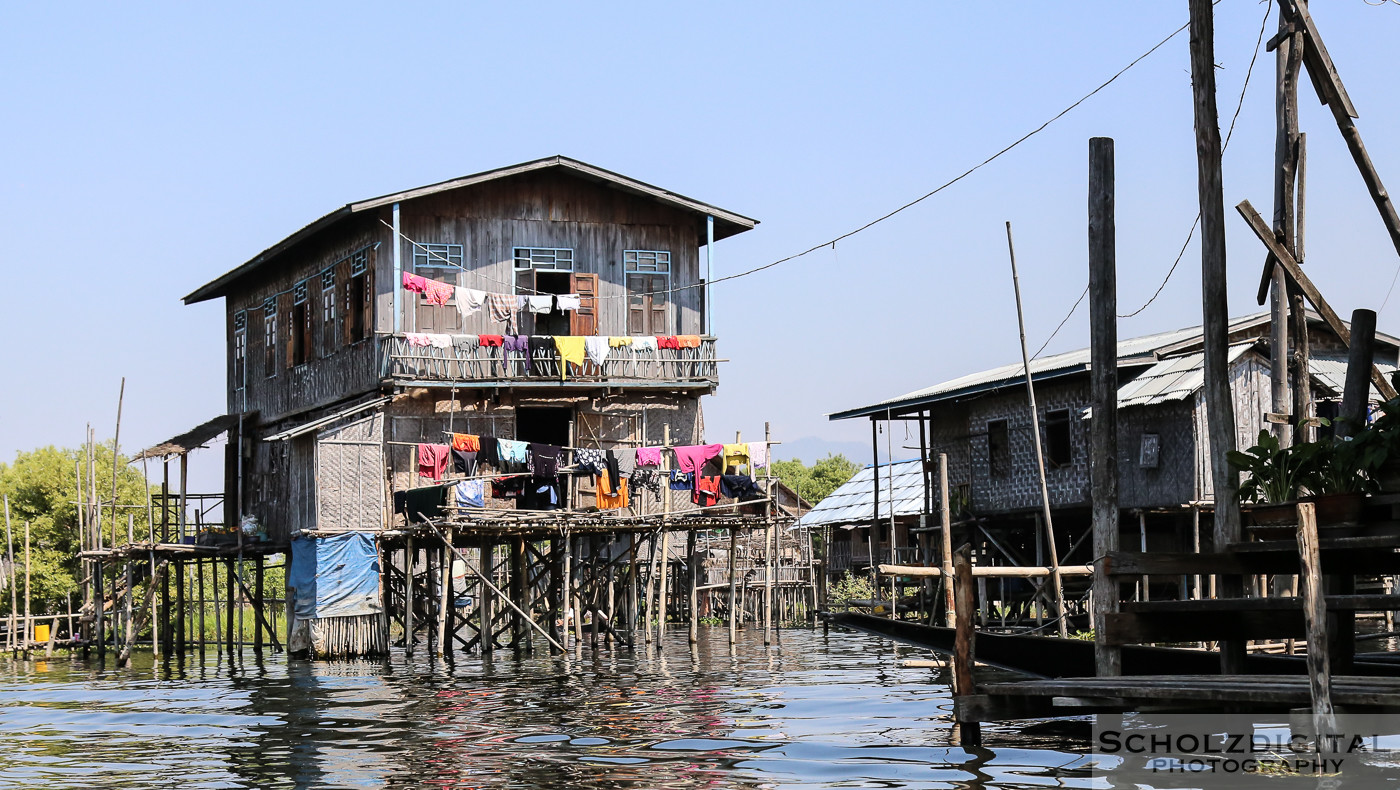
(1294, 272)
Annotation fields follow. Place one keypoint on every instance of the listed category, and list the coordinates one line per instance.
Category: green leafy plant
(1346, 465)
(1276, 474)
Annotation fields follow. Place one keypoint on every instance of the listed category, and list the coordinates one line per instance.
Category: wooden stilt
(445, 607)
(488, 598)
(734, 605)
(693, 597)
(229, 598)
(964, 643)
(410, 559)
(665, 562)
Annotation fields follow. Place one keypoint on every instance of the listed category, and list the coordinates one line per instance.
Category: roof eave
(219, 286)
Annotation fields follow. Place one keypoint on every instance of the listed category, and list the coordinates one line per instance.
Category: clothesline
(612, 441)
(439, 256)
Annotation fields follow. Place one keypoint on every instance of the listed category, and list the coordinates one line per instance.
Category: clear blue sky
(151, 147)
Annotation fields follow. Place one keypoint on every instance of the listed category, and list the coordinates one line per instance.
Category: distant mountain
(810, 449)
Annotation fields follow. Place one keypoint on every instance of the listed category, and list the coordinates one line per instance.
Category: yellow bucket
(41, 633)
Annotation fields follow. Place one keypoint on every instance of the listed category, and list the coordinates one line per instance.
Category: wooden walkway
(1218, 693)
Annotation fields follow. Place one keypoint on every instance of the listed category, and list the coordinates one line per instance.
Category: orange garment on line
(466, 442)
(615, 500)
(688, 341)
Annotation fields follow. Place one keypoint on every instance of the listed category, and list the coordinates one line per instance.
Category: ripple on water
(811, 711)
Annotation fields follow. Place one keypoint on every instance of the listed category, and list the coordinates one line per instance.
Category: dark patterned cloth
(590, 461)
(645, 479)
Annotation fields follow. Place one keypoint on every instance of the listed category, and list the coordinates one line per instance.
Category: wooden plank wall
(557, 211)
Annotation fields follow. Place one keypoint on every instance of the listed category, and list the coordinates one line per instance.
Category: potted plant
(1275, 476)
(1342, 470)
(1377, 445)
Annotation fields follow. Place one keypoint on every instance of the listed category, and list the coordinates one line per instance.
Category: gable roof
(727, 223)
(1136, 352)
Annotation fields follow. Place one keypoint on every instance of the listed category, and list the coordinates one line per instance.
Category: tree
(42, 489)
(816, 482)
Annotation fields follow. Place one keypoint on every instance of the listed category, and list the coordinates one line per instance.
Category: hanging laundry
(467, 442)
(438, 293)
(432, 460)
(544, 460)
(470, 493)
(490, 452)
(463, 461)
(590, 461)
(706, 491)
(466, 342)
(520, 343)
(693, 457)
(540, 495)
(648, 456)
(758, 454)
(567, 302)
(539, 303)
(626, 463)
(616, 498)
(491, 341)
(507, 487)
(682, 481)
(469, 300)
(597, 349)
(610, 464)
(619, 342)
(418, 504)
(571, 349)
(502, 306)
(417, 339)
(644, 344)
(741, 487)
(646, 480)
(688, 341)
(735, 455)
(667, 341)
(513, 454)
(541, 353)
(414, 283)
(440, 341)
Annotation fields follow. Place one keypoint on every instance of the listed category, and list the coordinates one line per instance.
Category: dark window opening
(301, 334)
(998, 449)
(328, 338)
(240, 359)
(269, 344)
(357, 309)
(1327, 410)
(533, 282)
(1059, 450)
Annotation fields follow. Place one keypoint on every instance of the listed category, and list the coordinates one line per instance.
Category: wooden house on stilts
(551, 304)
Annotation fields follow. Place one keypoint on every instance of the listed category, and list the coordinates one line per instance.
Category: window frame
(271, 366)
(328, 313)
(1057, 420)
(240, 351)
(998, 452)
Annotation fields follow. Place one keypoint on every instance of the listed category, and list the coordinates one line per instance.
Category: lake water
(812, 710)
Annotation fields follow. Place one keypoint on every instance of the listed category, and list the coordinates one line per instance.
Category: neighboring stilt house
(982, 424)
(345, 353)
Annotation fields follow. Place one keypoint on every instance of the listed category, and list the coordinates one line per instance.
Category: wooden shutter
(585, 319)
(289, 326)
(657, 304)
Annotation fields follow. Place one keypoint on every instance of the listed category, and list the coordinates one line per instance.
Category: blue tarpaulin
(335, 576)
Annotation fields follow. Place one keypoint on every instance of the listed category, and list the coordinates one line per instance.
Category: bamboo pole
(946, 538)
(12, 636)
(770, 550)
(443, 611)
(1056, 583)
(530, 621)
(693, 559)
(964, 643)
(661, 587)
(116, 451)
(28, 623)
(1315, 615)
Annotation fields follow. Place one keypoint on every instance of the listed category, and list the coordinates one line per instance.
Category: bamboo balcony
(624, 366)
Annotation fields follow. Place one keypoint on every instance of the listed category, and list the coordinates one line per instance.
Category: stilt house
(336, 370)
(981, 422)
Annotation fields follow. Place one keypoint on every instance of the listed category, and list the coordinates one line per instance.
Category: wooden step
(1368, 555)
(1339, 603)
(1232, 618)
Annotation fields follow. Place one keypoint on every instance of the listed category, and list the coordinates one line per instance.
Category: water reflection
(812, 711)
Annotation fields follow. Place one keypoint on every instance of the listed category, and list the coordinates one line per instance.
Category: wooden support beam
(964, 641)
(1315, 615)
(144, 614)
(991, 571)
(1103, 373)
(1295, 274)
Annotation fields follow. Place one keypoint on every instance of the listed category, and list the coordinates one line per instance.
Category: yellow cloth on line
(735, 455)
(571, 349)
(619, 342)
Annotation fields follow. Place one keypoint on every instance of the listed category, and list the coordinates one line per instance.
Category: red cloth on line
(491, 341)
(432, 460)
(706, 491)
(438, 293)
(667, 341)
(414, 283)
(691, 458)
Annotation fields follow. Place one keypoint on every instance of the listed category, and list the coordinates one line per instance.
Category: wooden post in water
(229, 598)
(12, 636)
(409, 556)
(445, 610)
(733, 585)
(661, 587)
(1220, 413)
(28, 623)
(693, 560)
(945, 521)
(964, 642)
(1103, 378)
(1315, 617)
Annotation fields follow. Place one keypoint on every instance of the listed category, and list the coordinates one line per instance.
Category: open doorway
(539, 281)
(547, 425)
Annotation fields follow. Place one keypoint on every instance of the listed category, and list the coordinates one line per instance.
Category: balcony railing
(623, 365)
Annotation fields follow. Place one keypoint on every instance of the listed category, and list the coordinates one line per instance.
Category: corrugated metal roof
(1331, 373)
(1172, 379)
(854, 501)
(1137, 348)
